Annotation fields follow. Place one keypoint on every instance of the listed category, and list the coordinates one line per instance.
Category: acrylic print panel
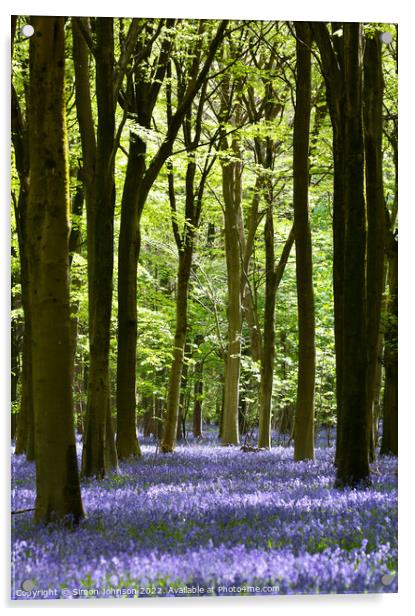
(204, 353)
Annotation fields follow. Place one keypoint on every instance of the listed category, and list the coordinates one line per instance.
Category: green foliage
(244, 58)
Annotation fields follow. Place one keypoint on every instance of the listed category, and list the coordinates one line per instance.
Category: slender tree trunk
(197, 410)
(353, 461)
(332, 62)
(158, 417)
(14, 350)
(274, 274)
(24, 427)
(172, 411)
(220, 405)
(198, 394)
(128, 250)
(373, 110)
(57, 481)
(87, 133)
(15, 371)
(98, 444)
(304, 415)
(24, 422)
(389, 444)
(181, 432)
(231, 174)
(268, 345)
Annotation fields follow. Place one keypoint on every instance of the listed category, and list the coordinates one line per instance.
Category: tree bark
(24, 422)
(128, 250)
(373, 132)
(170, 426)
(273, 278)
(304, 414)
(389, 444)
(332, 65)
(57, 481)
(15, 370)
(268, 345)
(353, 460)
(232, 194)
(98, 444)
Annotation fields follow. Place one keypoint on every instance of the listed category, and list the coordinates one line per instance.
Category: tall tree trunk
(98, 444)
(268, 345)
(353, 460)
(331, 51)
(141, 97)
(373, 131)
(128, 250)
(172, 411)
(57, 481)
(231, 176)
(273, 276)
(24, 422)
(84, 114)
(389, 444)
(304, 414)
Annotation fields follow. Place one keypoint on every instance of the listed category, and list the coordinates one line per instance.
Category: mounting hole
(386, 37)
(387, 579)
(28, 585)
(27, 30)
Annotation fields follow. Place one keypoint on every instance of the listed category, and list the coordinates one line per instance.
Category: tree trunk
(373, 110)
(273, 276)
(231, 175)
(304, 414)
(389, 443)
(158, 417)
(172, 411)
(24, 422)
(140, 101)
(57, 481)
(181, 422)
(128, 250)
(220, 405)
(353, 460)
(332, 61)
(87, 133)
(198, 394)
(268, 344)
(98, 444)
(15, 372)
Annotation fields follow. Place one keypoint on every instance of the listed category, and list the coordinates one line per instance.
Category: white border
(352, 10)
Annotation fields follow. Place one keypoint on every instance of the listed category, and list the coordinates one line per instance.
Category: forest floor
(211, 520)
